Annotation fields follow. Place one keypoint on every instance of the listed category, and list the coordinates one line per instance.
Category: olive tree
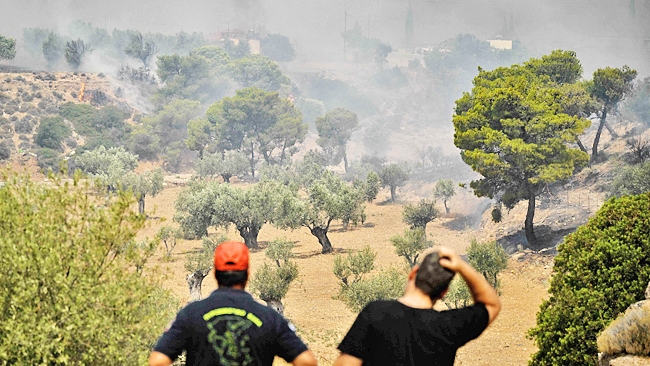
(327, 198)
(488, 258)
(410, 245)
(420, 214)
(334, 132)
(113, 168)
(393, 176)
(357, 288)
(229, 164)
(199, 264)
(445, 190)
(210, 203)
(271, 281)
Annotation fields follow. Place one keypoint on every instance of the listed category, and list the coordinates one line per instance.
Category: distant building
(237, 35)
(500, 44)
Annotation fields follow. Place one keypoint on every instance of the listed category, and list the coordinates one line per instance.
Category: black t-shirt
(391, 333)
(230, 328)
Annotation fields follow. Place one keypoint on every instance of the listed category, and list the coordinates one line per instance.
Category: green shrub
(489, 259)
(23, 126)
(81, 115)
(387, 285)
(420, 214)
(599, 271)
(51, 132)
(458, 295)
(48, 159)
(629, 333)
(5, 150)
(356, 289)
(69, 292)
(10, 109)
(631, 180)
(410, 245)
(271, 283)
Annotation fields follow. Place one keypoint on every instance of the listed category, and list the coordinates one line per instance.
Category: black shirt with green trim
(391, 333)
(230, 328)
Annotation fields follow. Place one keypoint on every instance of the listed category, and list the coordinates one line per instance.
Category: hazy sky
(603, 32)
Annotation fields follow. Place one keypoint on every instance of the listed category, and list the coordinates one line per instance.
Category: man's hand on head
(449, 259)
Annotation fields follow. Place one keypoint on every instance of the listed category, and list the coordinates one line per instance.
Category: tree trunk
(611, 130)
(275, 305)
(226, 177)
(580, 145)
(250, 236)
(282, 154)
(444, 202)
(345, 161)
(392, 193)
(346, 223)
(324, 241)
(252, 161)
(194, 281)
(530, 214)
(603, 120)
(141, 205)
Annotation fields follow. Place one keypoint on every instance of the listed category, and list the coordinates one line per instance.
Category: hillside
(26, 97)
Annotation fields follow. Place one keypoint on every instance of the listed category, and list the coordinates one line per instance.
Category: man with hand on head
(408, 331)
(230, 327)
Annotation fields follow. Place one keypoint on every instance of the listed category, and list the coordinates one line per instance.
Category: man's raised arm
(481, 290)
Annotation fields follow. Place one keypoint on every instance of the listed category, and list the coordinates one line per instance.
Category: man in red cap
(229, 327)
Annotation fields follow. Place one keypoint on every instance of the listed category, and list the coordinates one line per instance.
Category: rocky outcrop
(620, 359)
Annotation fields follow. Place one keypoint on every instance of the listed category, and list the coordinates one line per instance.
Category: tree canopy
(277, 47)
(334, 132)
(141, 49)
(209, 203)
(259, 71)
(512, 130)
(444, 189)
(7, 48)
(609, 86)
(328, 198)
(393, 175)
(258, 123)
(74, 53)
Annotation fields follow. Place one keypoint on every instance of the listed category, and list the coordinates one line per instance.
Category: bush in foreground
(600, 270)
(70, 292)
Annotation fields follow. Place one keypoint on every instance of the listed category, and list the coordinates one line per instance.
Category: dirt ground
(322, 321)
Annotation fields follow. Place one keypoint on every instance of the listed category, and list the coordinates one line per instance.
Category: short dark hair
(231, 278)
(431, 277)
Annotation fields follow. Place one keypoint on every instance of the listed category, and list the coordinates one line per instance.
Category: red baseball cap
(231, 256)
